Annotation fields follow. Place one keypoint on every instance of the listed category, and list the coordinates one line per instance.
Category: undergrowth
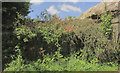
(58, 63)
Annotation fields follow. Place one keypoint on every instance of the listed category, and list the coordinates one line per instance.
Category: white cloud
(52, 10)
(67, 8)
(74, 1)
(36, 2)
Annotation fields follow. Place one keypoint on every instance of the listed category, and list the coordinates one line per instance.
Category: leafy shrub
(106, 25)
(9, 41)
(48, 33)
(16, 65)
(95, 44)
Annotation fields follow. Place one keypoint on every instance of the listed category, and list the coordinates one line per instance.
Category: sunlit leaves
(106, 24)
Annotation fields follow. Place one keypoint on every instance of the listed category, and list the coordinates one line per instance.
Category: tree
(9, 14)
(9, 10)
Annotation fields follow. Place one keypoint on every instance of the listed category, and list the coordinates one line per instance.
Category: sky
(68, 8)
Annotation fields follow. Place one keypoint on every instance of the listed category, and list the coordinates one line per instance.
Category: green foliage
(51, 63)
(9, 10)
(61, 38)
(18, 64)
(9, 39)
(92, 42)
(106, 25)
(70, 17)
(28, 33)
(49, 33)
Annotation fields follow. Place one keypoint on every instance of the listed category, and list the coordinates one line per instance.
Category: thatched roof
(100, 8)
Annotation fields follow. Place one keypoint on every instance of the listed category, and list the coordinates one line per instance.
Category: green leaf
(18, 37)
(16, 46)
(33, 35)
(25, 40)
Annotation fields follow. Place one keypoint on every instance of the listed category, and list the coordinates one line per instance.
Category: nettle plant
(50, 31)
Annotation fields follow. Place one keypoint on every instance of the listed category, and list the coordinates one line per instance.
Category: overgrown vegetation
(9, 39)
(72, 63)
(58, 45)
(106, 27)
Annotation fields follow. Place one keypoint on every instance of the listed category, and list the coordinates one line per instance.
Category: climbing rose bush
(51, 30)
